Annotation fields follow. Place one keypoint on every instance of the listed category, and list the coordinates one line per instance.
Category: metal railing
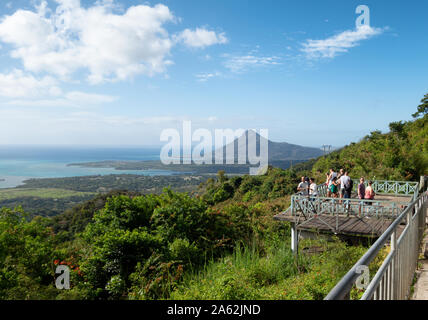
(393, 187)
(404, 188)
(394, 278)
(305, 208)
(351, 207)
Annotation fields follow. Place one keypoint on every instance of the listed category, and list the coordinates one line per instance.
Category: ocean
(19, 163)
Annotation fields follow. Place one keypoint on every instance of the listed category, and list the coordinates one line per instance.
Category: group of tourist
(307, 186)
(339, 185)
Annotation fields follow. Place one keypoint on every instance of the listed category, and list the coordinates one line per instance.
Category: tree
(221, 176)
(423, 108)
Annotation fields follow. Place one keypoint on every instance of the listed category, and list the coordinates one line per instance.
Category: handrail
(344, 286)
(402, 187)
(348, 199)
(348, 206)
(402, 260)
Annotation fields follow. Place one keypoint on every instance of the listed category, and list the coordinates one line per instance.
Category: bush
(181, 250)
(147, 242)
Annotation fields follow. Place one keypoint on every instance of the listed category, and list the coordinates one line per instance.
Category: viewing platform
(350, 217)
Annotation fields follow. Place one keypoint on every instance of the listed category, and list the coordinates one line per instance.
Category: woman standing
(369, 194)
(333, 187)
(361, 189)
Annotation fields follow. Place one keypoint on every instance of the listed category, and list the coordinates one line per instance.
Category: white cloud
(203, 77)
(17, 84)
(89, 98)
(340, 43)
(74, 99)
(110, 46)
(24, 89)
(201, 38)
(240, 64)
(107, 43)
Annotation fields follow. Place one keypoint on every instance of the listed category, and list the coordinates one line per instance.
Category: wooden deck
(367, 227)
(358, 219)
(393, 198)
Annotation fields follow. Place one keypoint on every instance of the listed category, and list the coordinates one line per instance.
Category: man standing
(344, 182)
(349, 185)
(302, 188)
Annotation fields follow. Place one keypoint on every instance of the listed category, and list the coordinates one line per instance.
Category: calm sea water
(18, 163)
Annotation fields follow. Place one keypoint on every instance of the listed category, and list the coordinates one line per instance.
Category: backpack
(350, 185)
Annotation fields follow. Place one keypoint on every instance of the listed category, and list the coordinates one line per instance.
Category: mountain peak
(278, 151)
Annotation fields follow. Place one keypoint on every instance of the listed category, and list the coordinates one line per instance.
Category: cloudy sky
(112, 72)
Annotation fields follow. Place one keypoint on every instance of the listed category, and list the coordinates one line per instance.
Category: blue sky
(120, 72)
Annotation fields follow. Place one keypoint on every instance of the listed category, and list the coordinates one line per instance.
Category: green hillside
(220, 242)
(401, 154)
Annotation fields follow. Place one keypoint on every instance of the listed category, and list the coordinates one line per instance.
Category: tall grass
(241, 275)
(271, 274)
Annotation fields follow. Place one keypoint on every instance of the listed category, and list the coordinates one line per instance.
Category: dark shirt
(362, 190)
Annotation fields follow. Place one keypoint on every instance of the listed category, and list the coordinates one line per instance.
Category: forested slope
(219, 243)
(401, 154)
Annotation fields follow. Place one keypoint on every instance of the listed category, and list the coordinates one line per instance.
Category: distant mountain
(277, 151)
(280, 155)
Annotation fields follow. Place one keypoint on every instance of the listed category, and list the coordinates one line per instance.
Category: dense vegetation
(401, 154)
(136, 247)
(53, 196)
(44, 202)
(218, 243)
(275, 274)
(166, 246)
(75, 220)
(174, 168)
(102, 184)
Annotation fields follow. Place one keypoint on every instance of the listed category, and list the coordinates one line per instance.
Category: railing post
(294, 239)
(394, 265)
(422, 183)
(292, 206)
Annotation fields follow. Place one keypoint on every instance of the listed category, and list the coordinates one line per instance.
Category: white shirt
(313, 189)
(343, 181)
(333, 175)
(303, 185)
